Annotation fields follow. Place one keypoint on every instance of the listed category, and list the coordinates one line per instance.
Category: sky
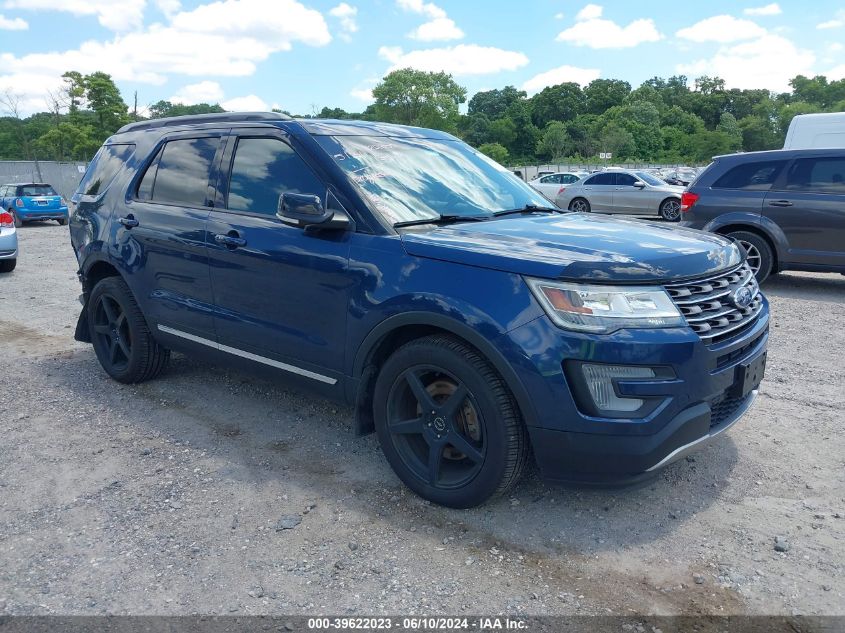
(301, 55)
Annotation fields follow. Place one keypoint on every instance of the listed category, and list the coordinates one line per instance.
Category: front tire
(758, 253)
(580, 205)
(670, 210)
(122, 341)
(7, 265)
(448, 424)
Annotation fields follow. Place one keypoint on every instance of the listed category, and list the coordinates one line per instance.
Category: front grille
(723, 409)
(708, 306)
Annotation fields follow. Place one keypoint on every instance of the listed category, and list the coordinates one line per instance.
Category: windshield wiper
(528, 208)
(443, 219)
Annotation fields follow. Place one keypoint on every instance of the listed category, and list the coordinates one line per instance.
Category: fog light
(600, 378)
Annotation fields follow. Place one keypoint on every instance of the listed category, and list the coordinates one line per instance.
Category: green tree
(706, 144)
(758, 135)
(475, 129)
(503, 132)
(497, 152)
(554, 142)
(728, 125)
(495, 103)
(414, 97)
(562, 102)
(616, 139)
(603, 94)
(104, 99)
(163, 109)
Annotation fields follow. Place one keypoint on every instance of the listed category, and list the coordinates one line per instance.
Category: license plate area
(748, 376)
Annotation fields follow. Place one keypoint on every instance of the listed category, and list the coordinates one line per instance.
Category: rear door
(280, 291)
(548, 185)
(598, 190)
(159, 235)
(808, 204)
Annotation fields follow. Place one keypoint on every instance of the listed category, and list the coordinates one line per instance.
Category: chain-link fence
(63, 176)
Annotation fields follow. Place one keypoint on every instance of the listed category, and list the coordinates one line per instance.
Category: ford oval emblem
(742, 297)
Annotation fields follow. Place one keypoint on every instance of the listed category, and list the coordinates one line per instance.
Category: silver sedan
(623, 191)
(8, 242)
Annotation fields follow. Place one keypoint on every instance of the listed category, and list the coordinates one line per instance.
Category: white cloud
(560, 16)
(463, 59)
(769, 9)
(232, 36)
(249, 103)
(115, 16)
(169, 7)
(560, 75)
(346, 14)
(589, 12)
(592, 31)
(202, 92)
(721, 28)
(837, 73)
(439, 29)
(830, 24)
(12, 24)
(364, 94)
(439, 26)
(768, 62)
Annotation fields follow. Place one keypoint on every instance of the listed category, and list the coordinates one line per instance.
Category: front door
(280, 292)
(808, 204)
(599, 191)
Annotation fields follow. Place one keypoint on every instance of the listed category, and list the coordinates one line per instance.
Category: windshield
(409, 179)
(647, 177)
(37, 190)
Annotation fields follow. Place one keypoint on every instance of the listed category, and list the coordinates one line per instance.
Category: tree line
(662, 120)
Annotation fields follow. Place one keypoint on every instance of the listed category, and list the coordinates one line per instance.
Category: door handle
(232, 241)
(129, 221)
(780, 203)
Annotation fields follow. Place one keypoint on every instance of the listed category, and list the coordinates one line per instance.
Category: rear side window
(180, 172)
(262, 170)
(823, 175)
(757, 176)
(104, 168)
(601, 179)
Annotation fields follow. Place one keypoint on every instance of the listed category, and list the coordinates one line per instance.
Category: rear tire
(758, 253)
(670, 210)
(7, 265)
(580, 205)
(448, 424)
(18, 221)
(122, 341)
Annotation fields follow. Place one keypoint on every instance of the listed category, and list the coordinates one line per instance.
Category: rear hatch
(42, 203)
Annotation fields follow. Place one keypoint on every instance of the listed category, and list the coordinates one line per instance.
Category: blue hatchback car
(399, 270)
(33, 201)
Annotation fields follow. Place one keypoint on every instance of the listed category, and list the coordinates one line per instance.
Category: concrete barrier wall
(63, 176)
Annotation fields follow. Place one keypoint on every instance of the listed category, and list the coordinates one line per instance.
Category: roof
(195, 119)
(337, 127)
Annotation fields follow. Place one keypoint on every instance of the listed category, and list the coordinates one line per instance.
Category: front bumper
(691, 408)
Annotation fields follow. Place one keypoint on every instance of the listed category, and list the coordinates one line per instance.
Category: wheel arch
(756, 230)
(91, 273)
(397, 330)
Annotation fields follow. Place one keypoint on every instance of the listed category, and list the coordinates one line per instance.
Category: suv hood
(578, 247)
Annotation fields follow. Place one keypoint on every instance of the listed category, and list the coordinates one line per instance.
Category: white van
(814, 131)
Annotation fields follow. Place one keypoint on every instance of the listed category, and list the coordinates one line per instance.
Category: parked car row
(25, 202)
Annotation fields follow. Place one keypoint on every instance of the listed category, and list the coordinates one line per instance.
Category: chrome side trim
(248, 355)
(682, 451)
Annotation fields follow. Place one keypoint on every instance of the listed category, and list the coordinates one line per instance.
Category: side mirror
(639, 184)
(303, 210)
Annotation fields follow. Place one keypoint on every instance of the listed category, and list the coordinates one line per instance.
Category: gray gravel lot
(170, 497)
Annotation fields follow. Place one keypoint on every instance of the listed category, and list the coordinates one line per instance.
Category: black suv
(786, 207)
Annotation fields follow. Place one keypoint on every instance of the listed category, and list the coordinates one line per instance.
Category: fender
(482, 344)
(755, 220)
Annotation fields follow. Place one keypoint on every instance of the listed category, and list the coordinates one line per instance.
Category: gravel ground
(208, 491)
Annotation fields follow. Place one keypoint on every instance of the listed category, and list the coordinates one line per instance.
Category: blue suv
(399, 270)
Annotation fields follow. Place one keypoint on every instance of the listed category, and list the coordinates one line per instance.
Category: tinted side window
(104, 168)
(757, 176)
(824, 175)
(265, 168)
(568, 179)
(181, 172)
(601, 179)
(625, 180)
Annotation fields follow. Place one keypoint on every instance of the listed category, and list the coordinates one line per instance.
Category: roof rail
(221, 117)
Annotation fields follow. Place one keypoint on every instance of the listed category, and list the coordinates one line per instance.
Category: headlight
(604, 309)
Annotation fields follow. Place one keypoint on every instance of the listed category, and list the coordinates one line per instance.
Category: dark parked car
(786, 207)
(27, 202)
(401, 271)
(680, 178)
